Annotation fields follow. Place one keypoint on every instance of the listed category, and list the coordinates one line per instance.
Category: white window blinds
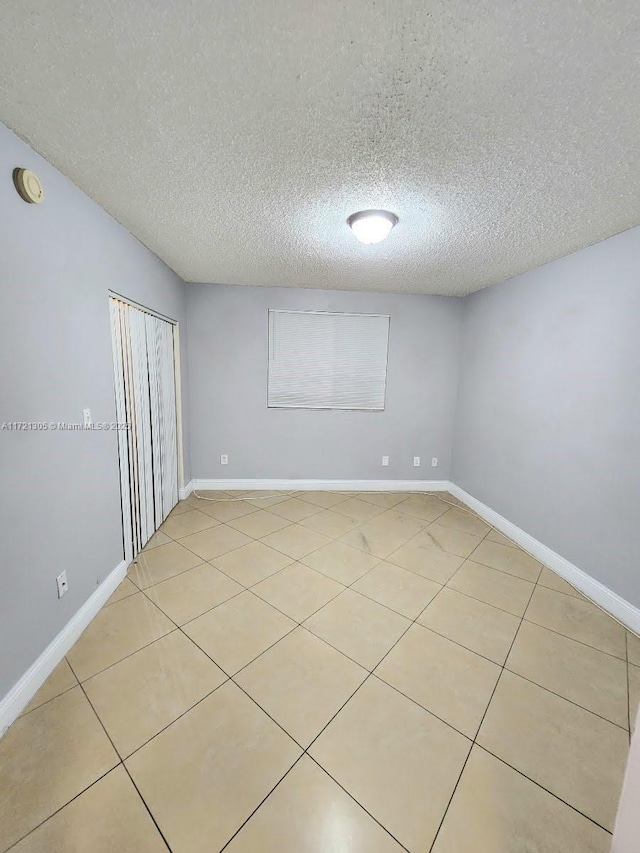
(327, 361)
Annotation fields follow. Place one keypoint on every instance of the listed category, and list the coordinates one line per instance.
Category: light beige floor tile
(192, 593)
(259, 523)
(459, 518)
(323, 499)
(360, 628)
(495, 536)
(384, 534)
(580, 620)
(227, 510)
(496, 810)
(209, 544)
(87, 824)
(199, 794)
(394, 521)
(402, 591)
(431, 563)
(331, 523)
(201, 499)
(450, 540)
(633, 648)
(186, 523)
(446, 679)
(124, 590)
(514, 561)
(117, 631)
(634, 695)
(493, 587)
(160, 538)
(47, 757)
(238, 631)
(309, 812)
(298, 591)
(426, 507)
(295, 509)
(252, 563)
(296, 541)
(397, 760)
(572, 753)
(208, 501)
(340, 562)
(161, 563)
(553, 581)
(372, 540)
(383, 499)
(265, 499)
(592, 679)
(477, 626)
(181, 506)
(60, 680)
(301, 682)
(145, 692)
(357, 508)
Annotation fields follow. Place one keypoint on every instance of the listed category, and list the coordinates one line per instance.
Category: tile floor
(328, 672)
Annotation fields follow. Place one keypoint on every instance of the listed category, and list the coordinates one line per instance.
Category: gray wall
(228, 346)
(548, 417)
(60, 498)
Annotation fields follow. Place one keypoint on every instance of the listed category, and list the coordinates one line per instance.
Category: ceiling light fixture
(372, 226)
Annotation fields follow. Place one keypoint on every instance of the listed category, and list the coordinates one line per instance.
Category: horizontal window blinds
(322, 360)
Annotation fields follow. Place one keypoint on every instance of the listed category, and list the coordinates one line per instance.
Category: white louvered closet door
(163, 415)
(146, 399)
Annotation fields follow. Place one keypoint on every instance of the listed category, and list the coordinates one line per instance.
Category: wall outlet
(224, 459)
(86, 417)
(385, 461)
(434, 461)
(63, 586)
(416, 461)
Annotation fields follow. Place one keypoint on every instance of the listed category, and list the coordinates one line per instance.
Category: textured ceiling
(234, 138)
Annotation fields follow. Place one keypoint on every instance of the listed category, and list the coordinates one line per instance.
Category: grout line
(53, 814)
(157, 583)
(144, 803)
(246, 821)
(129, 655)
(533, 781)
(580, 642)
(121, 761)
(566, 699)
(486, 710)
(57, 696)
(186, 711)
(373, 817)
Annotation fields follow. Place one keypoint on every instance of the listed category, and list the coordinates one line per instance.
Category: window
(319, 360)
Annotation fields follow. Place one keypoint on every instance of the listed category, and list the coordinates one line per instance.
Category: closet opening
(147, 387)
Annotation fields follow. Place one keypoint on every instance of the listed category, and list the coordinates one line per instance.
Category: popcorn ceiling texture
(234, 138)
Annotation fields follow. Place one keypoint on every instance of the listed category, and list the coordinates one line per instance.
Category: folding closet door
(145, 400)
(163, 415)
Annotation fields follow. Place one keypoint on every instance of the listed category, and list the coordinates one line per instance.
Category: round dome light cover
(372, 226)
(28, 185)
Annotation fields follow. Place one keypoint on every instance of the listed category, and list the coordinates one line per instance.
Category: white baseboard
(593, 589)
(322, 485)
(26, 687)
(184, 493)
